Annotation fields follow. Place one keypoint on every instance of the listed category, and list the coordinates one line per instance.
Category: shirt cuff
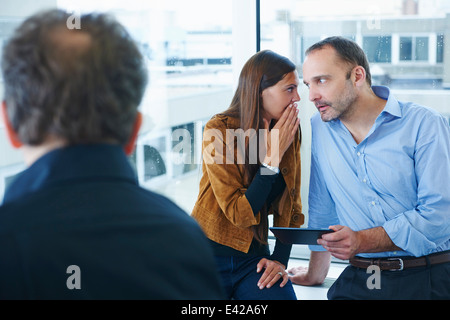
(272, 170)
(316, 247)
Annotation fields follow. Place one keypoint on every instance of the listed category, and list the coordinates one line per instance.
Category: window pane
(398, 41)
(188, 46)
(378, 49)
(306, 43)
(422, 48)
(406, 48)
(440, 48)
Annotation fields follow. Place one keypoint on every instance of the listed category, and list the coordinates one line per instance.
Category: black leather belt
(400, 263)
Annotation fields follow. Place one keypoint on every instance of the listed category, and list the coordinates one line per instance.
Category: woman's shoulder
(222, 121)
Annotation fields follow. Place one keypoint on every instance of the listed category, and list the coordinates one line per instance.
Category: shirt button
(373, 203)
(364, 180)
(358, 153)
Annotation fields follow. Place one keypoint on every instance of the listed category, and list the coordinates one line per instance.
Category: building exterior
(406, 49)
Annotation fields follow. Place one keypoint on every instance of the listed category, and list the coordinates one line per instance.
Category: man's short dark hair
(347, 50)
(84, 92)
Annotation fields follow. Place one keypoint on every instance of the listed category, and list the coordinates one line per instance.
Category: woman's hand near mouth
(281, 136)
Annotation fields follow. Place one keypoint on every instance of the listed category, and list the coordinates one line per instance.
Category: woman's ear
(129, 147)
(12, 135)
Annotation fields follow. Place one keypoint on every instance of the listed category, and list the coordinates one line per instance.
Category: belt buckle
(401, 264)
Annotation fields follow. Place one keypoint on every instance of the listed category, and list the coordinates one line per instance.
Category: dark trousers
(239, 278)
(423, 283)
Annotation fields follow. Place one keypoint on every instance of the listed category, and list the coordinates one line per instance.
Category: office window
(421, 49)
(414, 48)
(440, 48)
(191, 49)
(307, 42)
(188, 47)
(406, 50)
(378, 48)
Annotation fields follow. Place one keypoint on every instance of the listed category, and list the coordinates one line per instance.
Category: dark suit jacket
(76, 225)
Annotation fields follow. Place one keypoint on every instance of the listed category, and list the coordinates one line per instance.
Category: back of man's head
(82, 85)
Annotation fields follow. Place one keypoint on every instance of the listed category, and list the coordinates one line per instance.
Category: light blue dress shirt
(398, 177)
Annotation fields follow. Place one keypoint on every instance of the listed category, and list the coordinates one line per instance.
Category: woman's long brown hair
(261, 71)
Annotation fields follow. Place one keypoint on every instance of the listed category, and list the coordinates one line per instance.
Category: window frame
(432, 48)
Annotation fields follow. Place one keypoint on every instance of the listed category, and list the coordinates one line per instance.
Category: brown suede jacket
(222, 210)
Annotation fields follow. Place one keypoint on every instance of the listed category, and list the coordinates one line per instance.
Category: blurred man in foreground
(75, 224)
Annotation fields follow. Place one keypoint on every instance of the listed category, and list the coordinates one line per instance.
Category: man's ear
(360, 75)
(129, 147)
(12, 135)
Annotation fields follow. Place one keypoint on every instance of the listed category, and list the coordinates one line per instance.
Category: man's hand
(315, 274)
(345, 243)
(299, 275)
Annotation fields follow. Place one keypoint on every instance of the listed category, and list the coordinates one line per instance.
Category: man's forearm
(315, 274)
(319, 264)
(375, 240)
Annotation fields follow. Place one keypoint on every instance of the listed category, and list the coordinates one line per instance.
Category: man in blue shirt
(380, 178)
(76, 224)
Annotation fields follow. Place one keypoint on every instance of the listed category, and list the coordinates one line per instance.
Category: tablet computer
(299, 235)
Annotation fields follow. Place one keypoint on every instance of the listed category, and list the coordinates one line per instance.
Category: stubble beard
(341, 109)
